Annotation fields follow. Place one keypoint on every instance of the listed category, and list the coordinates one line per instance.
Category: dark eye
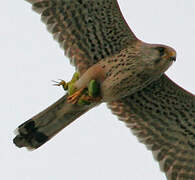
(161, 50)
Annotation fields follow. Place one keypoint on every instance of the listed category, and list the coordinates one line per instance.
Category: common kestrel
(131, 79)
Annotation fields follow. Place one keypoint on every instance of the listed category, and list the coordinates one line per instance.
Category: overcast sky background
(97, 146)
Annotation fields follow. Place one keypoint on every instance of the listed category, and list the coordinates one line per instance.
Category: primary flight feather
(130, 77)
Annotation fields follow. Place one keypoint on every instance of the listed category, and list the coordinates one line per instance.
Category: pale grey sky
(97, 146)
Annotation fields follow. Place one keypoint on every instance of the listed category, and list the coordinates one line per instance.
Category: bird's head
(157, 58)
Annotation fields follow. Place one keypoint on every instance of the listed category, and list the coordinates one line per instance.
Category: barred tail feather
(42, 127)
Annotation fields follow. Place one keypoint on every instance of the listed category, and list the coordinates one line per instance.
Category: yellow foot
(75, 96)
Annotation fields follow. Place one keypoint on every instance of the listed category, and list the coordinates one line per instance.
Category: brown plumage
(101, 46)
(162, 116)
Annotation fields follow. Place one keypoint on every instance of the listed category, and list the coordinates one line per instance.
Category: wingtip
(37, 5)
(33, 1)
(16, 132)
(30, 1)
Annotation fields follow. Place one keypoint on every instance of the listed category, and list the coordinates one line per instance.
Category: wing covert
(162, 116)
(88, 30)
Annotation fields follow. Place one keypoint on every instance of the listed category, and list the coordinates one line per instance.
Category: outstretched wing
(162, 116)
(88, 30)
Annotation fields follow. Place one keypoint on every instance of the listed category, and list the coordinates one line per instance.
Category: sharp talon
(56, 83)
(59, 83)
(72, 100)
(75, 97)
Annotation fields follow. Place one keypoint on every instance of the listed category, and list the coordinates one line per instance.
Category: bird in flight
(113, 66)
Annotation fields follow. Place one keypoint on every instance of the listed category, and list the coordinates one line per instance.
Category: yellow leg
(75, 96)
(86, 95)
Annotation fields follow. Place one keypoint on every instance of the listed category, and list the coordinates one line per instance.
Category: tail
(42, 127)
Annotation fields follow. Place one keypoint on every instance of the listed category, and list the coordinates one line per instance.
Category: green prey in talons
(68, 86)
(83, 96)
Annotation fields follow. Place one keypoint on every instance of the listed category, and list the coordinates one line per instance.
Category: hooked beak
(172, 55)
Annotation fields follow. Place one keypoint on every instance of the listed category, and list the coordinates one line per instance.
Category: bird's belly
(123, 83)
